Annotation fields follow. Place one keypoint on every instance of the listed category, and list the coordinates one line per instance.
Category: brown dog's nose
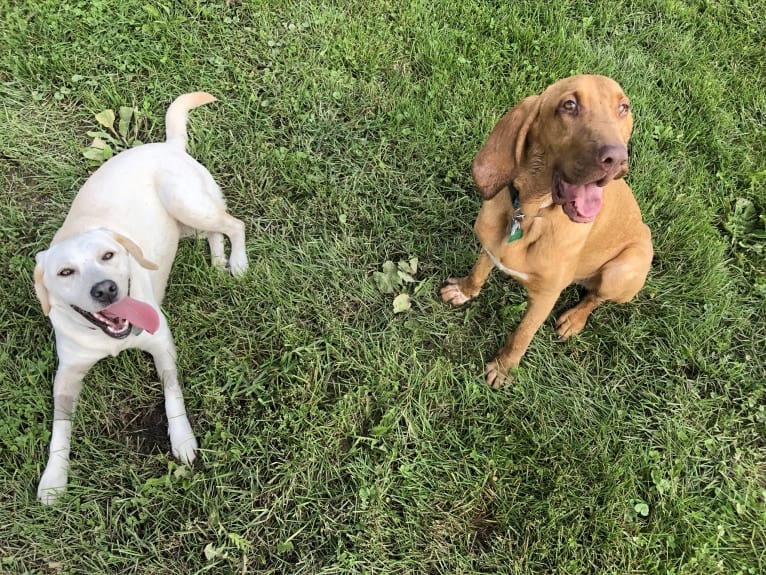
(612, 157)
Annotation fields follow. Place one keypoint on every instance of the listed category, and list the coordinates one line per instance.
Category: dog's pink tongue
(138, 313)
(588, 201)
(580, 202)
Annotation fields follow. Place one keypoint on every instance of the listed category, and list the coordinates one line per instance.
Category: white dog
(103, 278)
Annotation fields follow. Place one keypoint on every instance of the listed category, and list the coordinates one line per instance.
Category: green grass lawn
(339, 437)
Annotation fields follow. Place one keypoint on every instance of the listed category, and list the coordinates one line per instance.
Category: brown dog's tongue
(589, 201)
(581, 202)
(138, 313)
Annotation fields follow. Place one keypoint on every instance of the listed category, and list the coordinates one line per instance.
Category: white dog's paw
(238, 265)
(186, 451)
(218, 261)
(52, 483)
(182, 440)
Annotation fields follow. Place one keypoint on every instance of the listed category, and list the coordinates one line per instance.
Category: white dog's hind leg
(235, 229)
(202, 207)
(217, 250)
(66, 390)
(226, 224)
(182, 440)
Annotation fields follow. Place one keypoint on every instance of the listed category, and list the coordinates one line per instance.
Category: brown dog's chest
(547, 250)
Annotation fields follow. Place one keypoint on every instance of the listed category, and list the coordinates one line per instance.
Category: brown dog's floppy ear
(40, 290)
(134, 251)
(495, 163)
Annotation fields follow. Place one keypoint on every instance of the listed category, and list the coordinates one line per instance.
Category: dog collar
(515, 232)
(514, 196)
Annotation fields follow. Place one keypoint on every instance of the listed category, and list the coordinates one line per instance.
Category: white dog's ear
(134, 251)
(40, 290)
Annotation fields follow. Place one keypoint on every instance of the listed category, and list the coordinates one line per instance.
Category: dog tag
(516, 231)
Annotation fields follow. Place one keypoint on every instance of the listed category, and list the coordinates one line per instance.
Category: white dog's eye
(107, 256)
(65, 272)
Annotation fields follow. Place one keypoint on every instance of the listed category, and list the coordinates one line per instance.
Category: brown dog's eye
(569, 106)
(107, 256)
(66, 272)
(623, 108)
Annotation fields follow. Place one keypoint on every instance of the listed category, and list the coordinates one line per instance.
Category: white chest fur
(506, 270)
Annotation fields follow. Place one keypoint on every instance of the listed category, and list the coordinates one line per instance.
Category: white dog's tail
(175, 119)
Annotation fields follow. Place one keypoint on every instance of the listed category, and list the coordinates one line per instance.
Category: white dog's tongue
(138, 313)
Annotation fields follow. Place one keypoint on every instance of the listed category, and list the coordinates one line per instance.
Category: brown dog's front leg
(508, 358)
(458, 291)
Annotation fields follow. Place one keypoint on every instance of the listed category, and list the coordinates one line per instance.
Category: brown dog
(556, 210)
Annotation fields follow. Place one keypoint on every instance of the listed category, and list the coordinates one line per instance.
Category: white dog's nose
(105, 292)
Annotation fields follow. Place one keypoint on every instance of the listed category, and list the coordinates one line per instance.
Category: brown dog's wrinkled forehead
(584, 85)
(600, 105)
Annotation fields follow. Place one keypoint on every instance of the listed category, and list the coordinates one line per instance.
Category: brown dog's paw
(571, 323)
(496, 376)
(453, 294)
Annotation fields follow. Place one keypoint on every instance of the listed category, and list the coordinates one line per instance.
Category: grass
(339, 437)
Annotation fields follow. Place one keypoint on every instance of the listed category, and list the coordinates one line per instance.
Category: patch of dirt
(147, 429)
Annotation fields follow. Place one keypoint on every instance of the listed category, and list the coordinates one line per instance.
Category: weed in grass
(110, 140)
(394, 278)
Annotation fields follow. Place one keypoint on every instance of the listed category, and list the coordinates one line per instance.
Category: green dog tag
(516, 231)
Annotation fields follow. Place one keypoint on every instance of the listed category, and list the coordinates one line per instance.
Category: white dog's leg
(182, 440)
(217, 250)
(203, 208)
(66, 390)
(235, 229)
(215, 229)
